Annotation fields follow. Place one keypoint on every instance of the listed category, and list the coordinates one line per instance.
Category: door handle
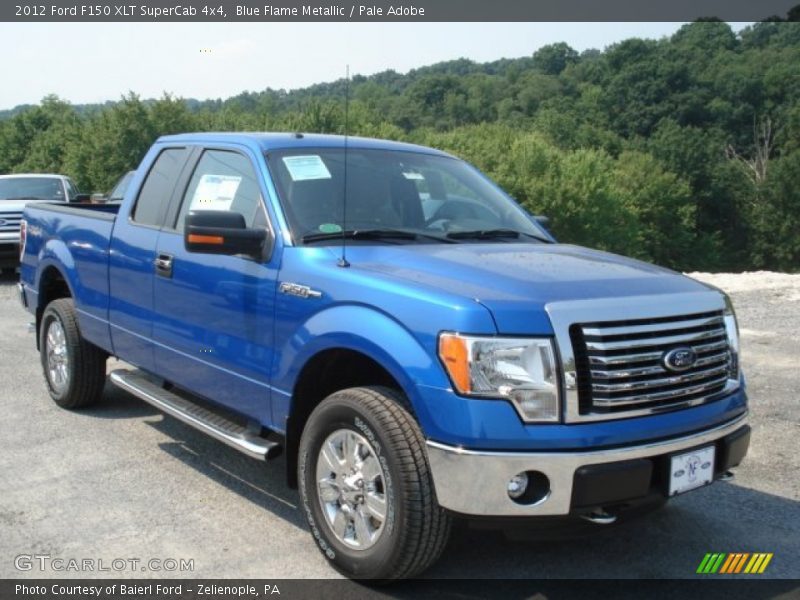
(163, 263)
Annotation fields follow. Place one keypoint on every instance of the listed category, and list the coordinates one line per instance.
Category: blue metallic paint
(213, 320)
(80, 255)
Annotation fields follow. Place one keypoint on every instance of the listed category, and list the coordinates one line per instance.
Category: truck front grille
(620, 365)
(9, 221)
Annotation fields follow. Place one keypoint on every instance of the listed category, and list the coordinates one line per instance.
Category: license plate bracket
(691, 470)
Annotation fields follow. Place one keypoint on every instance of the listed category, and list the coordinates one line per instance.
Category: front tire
(366, 486)
(74, 369)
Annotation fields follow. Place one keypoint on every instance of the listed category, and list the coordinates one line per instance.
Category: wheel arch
(52, 285)
(327, 371)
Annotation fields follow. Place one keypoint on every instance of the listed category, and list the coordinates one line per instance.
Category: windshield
(31, 188)
(434, 197)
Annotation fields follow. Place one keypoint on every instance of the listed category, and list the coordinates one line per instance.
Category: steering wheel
(437, 224)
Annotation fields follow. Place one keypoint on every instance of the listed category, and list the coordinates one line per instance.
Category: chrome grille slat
(626, 359)
(712, 359)
(683, 338)
(653, 370)
(664, 381)
(634, 329)
(622, 366)
(625, 373)
(643, 357)
(667, 395)
(12, 221)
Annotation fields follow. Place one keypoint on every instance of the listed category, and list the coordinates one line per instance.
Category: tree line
(683, 151)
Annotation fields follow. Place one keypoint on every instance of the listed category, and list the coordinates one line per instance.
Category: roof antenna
(343, 260)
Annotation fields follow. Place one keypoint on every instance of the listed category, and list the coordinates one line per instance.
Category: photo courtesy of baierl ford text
(421, 299)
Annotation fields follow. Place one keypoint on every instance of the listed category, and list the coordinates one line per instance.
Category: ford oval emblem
(679, 359)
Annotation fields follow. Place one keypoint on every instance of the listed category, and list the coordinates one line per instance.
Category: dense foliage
(683, 151)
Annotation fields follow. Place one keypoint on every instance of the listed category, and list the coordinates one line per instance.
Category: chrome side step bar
(226, 431)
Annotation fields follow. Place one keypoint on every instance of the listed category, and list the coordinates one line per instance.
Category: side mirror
(222, 232)
(82, 198)
(541, 219)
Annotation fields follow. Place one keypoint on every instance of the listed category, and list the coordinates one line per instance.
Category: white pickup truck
(16, 191)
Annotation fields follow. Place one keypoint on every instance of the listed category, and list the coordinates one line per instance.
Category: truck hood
(17, 206)
(515, 281)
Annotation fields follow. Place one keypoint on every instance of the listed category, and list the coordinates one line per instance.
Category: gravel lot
(123, 481)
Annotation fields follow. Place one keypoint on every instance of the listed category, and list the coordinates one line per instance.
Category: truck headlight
(521, 370)
(732, 332)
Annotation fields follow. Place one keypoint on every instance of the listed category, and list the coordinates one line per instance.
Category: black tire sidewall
(53, 313)
(342, 412)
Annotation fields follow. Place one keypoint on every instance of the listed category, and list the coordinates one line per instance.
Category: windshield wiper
(493, 234)
(361, 234)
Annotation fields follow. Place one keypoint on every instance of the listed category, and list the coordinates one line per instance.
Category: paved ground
(123, 481)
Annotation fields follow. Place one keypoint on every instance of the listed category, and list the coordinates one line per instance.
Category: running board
(226, 431)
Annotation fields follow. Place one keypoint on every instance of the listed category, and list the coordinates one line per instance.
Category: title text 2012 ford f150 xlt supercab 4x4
(412, 339)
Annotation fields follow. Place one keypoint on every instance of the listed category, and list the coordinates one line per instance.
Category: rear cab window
(156, 192)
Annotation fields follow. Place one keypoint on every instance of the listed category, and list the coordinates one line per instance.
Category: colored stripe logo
(731, 563)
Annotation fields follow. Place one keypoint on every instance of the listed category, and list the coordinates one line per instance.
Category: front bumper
(475, 482)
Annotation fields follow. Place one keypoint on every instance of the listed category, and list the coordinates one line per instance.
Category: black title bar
(387, 11)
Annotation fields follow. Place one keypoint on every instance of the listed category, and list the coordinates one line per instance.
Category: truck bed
(92, 211)
(76, 235)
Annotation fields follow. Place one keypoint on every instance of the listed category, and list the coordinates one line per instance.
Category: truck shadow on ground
(668, 543)
(117, 404)
(263, 484)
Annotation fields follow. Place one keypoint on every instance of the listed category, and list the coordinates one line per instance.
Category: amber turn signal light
(195, 238)
(454, 353)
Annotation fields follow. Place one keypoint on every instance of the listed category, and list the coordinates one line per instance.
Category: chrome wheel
(57, 358)
(352, 489)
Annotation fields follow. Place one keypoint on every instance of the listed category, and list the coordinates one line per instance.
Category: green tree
(554, 58)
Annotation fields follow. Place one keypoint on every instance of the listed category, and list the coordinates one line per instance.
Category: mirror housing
(541, 219)
(84, 198)
(222, 232)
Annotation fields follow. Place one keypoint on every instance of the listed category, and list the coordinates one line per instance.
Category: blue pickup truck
(417, 344)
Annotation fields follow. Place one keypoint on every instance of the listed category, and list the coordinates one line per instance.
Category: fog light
(517, 485)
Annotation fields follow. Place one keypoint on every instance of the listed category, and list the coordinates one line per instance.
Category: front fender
(370, 332)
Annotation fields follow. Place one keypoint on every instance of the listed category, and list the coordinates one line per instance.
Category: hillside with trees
(683, 151)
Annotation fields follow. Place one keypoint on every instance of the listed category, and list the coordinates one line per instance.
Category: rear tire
(382, 502)
(74, 369)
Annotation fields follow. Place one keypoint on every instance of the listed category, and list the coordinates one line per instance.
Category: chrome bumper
(474, 482)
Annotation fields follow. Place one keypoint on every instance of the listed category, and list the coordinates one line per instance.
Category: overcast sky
(92, 62)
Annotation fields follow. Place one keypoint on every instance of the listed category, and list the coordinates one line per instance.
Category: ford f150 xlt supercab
(417, 344)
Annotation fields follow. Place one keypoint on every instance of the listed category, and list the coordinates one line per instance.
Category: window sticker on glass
(215, 192)
(412, 175)
(303, 168)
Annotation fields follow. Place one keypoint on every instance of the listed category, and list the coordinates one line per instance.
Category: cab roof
(289, 141)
